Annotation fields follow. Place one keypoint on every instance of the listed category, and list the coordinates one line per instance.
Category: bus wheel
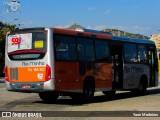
(49, 97)
(142, 88)
(88, 90)
(109, 93)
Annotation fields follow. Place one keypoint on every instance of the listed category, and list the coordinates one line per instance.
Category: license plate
(26, 86)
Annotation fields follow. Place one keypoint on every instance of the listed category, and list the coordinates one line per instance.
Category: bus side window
(65, 47)
(102, 50)
(85, 49)
(62, 52)
(130, 52)
(142, 53)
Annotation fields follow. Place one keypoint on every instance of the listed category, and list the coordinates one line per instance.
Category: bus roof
(87, 33)
(102, 35)
(134, 40)
(90, 30)
(92, 33)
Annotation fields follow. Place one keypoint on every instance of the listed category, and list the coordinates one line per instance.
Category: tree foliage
(4, 28)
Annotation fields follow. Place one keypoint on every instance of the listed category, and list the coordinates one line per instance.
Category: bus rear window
(26, 46)
(30, 56)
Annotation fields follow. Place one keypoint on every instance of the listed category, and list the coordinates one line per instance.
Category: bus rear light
(6, 74)
(26, 52)
(48, 73)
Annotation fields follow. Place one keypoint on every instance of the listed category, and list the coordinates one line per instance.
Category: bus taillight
(6, 74)
(48, 73)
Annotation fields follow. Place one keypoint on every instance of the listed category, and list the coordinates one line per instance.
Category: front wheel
(49, 97)
(88, 91)
(142, 88)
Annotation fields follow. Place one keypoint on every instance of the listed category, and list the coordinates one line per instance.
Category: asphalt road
(123, 101)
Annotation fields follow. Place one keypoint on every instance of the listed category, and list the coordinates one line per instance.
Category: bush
(4, 28)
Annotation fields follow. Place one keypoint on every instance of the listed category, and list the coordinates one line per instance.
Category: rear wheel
(49, 97)
(88, 90)
(142, 88)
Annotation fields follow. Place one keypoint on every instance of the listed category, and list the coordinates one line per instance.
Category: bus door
(152, 63)
(117, 69)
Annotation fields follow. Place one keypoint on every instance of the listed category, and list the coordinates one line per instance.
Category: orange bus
(54, 62)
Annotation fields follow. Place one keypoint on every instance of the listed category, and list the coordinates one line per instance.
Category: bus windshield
(27, 46)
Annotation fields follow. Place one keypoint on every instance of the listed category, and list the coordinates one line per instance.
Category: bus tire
(88, 89)
(49, 97)
(142, 87)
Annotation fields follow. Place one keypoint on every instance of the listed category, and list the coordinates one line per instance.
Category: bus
(54, 62)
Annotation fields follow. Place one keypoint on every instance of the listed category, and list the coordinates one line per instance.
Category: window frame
(55, 54)
(147, 61)
(125, 61)
(109, 54)
(89, 38)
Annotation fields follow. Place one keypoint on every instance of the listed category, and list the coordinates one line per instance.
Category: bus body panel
(104, 75)
(68, 76)
(133, 73)
(157, 78)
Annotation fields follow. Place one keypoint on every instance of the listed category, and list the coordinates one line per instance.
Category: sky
(135, 16)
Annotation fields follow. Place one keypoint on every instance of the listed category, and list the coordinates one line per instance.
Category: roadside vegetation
(4, 28)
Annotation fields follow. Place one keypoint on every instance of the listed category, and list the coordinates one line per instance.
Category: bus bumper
(31, 86)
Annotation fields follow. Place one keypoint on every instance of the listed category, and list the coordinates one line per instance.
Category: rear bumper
(34, 86)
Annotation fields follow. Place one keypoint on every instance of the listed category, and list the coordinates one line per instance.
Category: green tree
(4, 28)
